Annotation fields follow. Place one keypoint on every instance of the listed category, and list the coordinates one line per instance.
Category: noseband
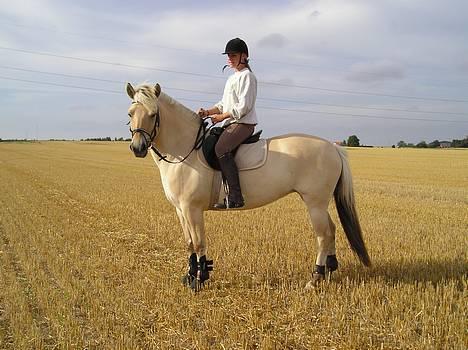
(149, 138)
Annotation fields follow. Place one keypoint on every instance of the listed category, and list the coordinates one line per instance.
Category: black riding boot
(231, 175)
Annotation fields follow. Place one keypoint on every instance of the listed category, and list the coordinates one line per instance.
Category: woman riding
(237, 113)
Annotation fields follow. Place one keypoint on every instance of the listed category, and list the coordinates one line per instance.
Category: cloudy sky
(382, 70)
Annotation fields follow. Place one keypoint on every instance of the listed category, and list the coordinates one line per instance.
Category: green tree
(434, 144)
(460, 143)
(353, 141)
(422, 144)
(401, 144)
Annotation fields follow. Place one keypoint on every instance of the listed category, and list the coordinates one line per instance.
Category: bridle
(149, 138)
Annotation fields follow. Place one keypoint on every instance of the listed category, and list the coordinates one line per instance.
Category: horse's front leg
(194, 232)
(191, 274)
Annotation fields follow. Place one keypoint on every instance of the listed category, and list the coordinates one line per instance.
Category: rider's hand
(216, 118)
(202, 113)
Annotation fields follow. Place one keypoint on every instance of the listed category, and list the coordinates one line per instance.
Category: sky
(385, 71)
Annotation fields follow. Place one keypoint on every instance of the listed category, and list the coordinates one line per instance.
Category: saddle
(212, 138)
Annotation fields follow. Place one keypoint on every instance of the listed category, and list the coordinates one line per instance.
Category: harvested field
(92, 254)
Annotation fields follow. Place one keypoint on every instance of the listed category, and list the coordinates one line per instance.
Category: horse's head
(144, 117)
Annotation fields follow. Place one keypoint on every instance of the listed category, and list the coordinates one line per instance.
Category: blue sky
(383, 70)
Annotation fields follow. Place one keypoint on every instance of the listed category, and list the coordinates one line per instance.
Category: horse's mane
(146, 95)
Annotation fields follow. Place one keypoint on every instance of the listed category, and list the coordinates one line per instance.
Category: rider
(237, 113)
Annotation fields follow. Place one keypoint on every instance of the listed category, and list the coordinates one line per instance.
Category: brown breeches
(232, 137)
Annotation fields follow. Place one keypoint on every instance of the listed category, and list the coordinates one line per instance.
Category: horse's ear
(157, 89)
(130, 91)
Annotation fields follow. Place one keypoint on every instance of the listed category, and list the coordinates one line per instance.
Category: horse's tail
(344, 200)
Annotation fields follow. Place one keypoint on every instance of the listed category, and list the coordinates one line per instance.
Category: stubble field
(91, 256)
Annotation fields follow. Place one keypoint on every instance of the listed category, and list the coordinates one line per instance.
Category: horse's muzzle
(140, 150)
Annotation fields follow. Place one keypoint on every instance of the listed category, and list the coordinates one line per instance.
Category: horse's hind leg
(325, 231)
(331, 262)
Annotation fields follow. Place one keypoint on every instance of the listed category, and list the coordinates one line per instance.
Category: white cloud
(390, 46)
(376, 71)
(33, 12)
(273, 40)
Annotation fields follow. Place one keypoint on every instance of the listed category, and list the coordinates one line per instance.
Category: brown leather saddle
(212, 138)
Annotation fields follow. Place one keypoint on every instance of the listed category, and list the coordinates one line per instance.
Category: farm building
(445, 144)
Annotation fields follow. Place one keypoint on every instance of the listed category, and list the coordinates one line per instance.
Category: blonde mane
(146, 95)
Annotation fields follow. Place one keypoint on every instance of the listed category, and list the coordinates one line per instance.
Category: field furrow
(91, 255)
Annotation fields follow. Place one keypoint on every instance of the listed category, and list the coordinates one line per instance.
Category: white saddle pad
(249, 156)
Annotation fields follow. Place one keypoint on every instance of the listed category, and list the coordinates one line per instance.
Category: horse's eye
(129, 115)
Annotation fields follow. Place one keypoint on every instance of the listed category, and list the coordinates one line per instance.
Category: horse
(313, 167)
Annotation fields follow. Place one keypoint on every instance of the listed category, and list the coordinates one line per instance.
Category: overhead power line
(89, 60)
(217, 93)
(366, 93)
(62, 85)
(107, 38)
(172, 48)
(362, 107)
(259, 107)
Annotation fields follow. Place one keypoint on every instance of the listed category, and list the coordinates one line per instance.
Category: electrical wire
(146, 45)
(259, 107)
(217, 93)
(89, 60)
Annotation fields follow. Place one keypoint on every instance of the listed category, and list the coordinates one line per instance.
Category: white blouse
(240, 93)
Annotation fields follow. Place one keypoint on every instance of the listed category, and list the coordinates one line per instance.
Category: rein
(201, 133)
(149, 138)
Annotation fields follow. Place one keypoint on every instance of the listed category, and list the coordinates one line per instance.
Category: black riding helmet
(236, 45)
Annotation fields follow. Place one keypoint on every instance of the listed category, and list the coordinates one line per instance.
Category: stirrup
(227, 204)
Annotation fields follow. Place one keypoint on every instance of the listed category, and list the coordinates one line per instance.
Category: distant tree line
(353, 141)
(436, 144)
(108, 138)
(16, 140)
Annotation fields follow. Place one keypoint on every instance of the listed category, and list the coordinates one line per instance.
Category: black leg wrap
(318, 275)
(319, 270)
(204, 268)
(332, 263)
(193, 265)
(192, 272)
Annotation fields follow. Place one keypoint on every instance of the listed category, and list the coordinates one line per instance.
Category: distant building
(445, 144)
(339, 143)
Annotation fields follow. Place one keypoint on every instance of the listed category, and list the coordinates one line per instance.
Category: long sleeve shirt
(240, 93)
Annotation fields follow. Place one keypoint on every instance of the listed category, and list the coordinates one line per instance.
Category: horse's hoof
(315, 282)
(197, 285)
(187, 280)
(192, 283)
(309, 286)
(332, 263)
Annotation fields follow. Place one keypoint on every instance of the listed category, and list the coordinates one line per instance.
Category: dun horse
(312, 167)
